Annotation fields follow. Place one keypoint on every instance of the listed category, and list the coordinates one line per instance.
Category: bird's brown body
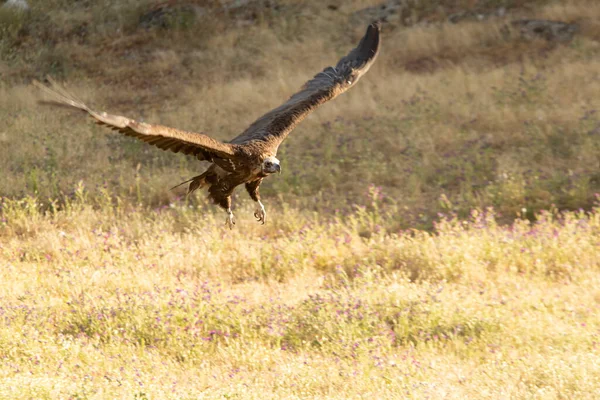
(250, 157)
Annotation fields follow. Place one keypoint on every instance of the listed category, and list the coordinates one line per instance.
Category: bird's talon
(260, 214)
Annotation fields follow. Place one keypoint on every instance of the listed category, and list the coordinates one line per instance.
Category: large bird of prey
(250, 157)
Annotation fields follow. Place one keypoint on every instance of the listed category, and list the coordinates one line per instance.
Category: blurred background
(471, 104)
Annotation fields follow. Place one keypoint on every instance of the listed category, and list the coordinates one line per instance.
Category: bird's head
(270, 165)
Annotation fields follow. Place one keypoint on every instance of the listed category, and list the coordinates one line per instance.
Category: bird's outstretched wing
(163, 137)
(326, 85)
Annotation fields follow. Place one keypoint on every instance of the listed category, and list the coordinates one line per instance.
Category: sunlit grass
(116, 301)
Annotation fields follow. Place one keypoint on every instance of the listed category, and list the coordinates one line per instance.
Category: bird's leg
(225, 202)
(260, 214)
(252, 187)
(230, 222)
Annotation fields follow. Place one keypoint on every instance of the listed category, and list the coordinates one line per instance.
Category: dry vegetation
(373, 270)
(126, 303)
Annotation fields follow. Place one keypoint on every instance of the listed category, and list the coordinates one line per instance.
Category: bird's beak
(278, 168)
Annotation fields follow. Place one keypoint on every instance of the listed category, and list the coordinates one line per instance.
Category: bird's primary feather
(275, 125)
(202, 146)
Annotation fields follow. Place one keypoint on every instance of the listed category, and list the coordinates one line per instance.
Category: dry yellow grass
(111, 286)
(119, 303)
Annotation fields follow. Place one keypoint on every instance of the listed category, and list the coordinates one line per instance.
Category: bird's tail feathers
(196, 183)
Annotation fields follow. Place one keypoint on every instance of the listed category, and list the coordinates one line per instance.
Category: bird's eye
(349, 82)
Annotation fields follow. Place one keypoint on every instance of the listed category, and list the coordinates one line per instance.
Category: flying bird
(251, 156)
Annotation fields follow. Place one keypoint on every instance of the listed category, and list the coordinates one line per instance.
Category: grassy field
(435, 232)
(134, 303)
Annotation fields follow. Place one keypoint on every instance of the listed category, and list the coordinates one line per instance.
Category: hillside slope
(453, 116)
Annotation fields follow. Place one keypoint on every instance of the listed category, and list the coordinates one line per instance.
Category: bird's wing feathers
(272, 127)
(326, 85)
(163, 137)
